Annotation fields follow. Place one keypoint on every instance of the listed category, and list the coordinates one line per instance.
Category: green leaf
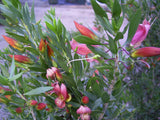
(37, 68)
(112, 45)
(4, 70)
(86, 40)
(97, 103)
(12, 67)
(98, 9)
(106, 24)
(98, 51)
(18, 37)
(118, 36)
(3, 80)
(106, 66)
(105, 97)
(134, 22)
(15, 77)
(116, 11)
(32, 50)
(77, 66)
(117, 87)
(33, 14)
(38, 90)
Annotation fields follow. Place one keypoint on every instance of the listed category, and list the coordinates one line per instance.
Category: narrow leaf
(38, 90)
(3, 80)
(116, 11)
(15, 77)
(112, 45)
(12, 67)
(98, 9)
(134, 22)
(86, 40)
(4, 70)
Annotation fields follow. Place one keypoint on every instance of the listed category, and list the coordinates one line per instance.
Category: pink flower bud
(140, 34)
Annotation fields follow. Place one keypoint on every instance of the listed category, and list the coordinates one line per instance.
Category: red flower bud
(85, 31)
(14, 43)
(146, 52)
(8, 97)
(19, 110)
(42, 45)
(85, 99)
(22, 59)
(41, 106)
(32, 102)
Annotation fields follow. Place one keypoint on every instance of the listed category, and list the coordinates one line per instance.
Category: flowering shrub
(53, 75)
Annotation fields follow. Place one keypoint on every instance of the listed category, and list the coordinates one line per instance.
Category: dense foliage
(49, 73)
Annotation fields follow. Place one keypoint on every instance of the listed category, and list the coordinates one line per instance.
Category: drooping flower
(81, 49)
(53, 73)
(15, 44)
(140, 34)
(146, 52)
(19, 110)
(85, 99)
(84, 112)
(41, 106)
(62, 96)
(85, 31)
(22, 59)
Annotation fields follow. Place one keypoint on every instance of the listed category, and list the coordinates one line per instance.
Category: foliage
(51, 70)
(145, 88)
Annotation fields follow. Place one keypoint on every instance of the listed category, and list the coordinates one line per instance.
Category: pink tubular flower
(22, 59)
(54, 72)
(85, 31)
(146, 52)
(15, 44)
(81, 49)
(140, 34)
(84, 112)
